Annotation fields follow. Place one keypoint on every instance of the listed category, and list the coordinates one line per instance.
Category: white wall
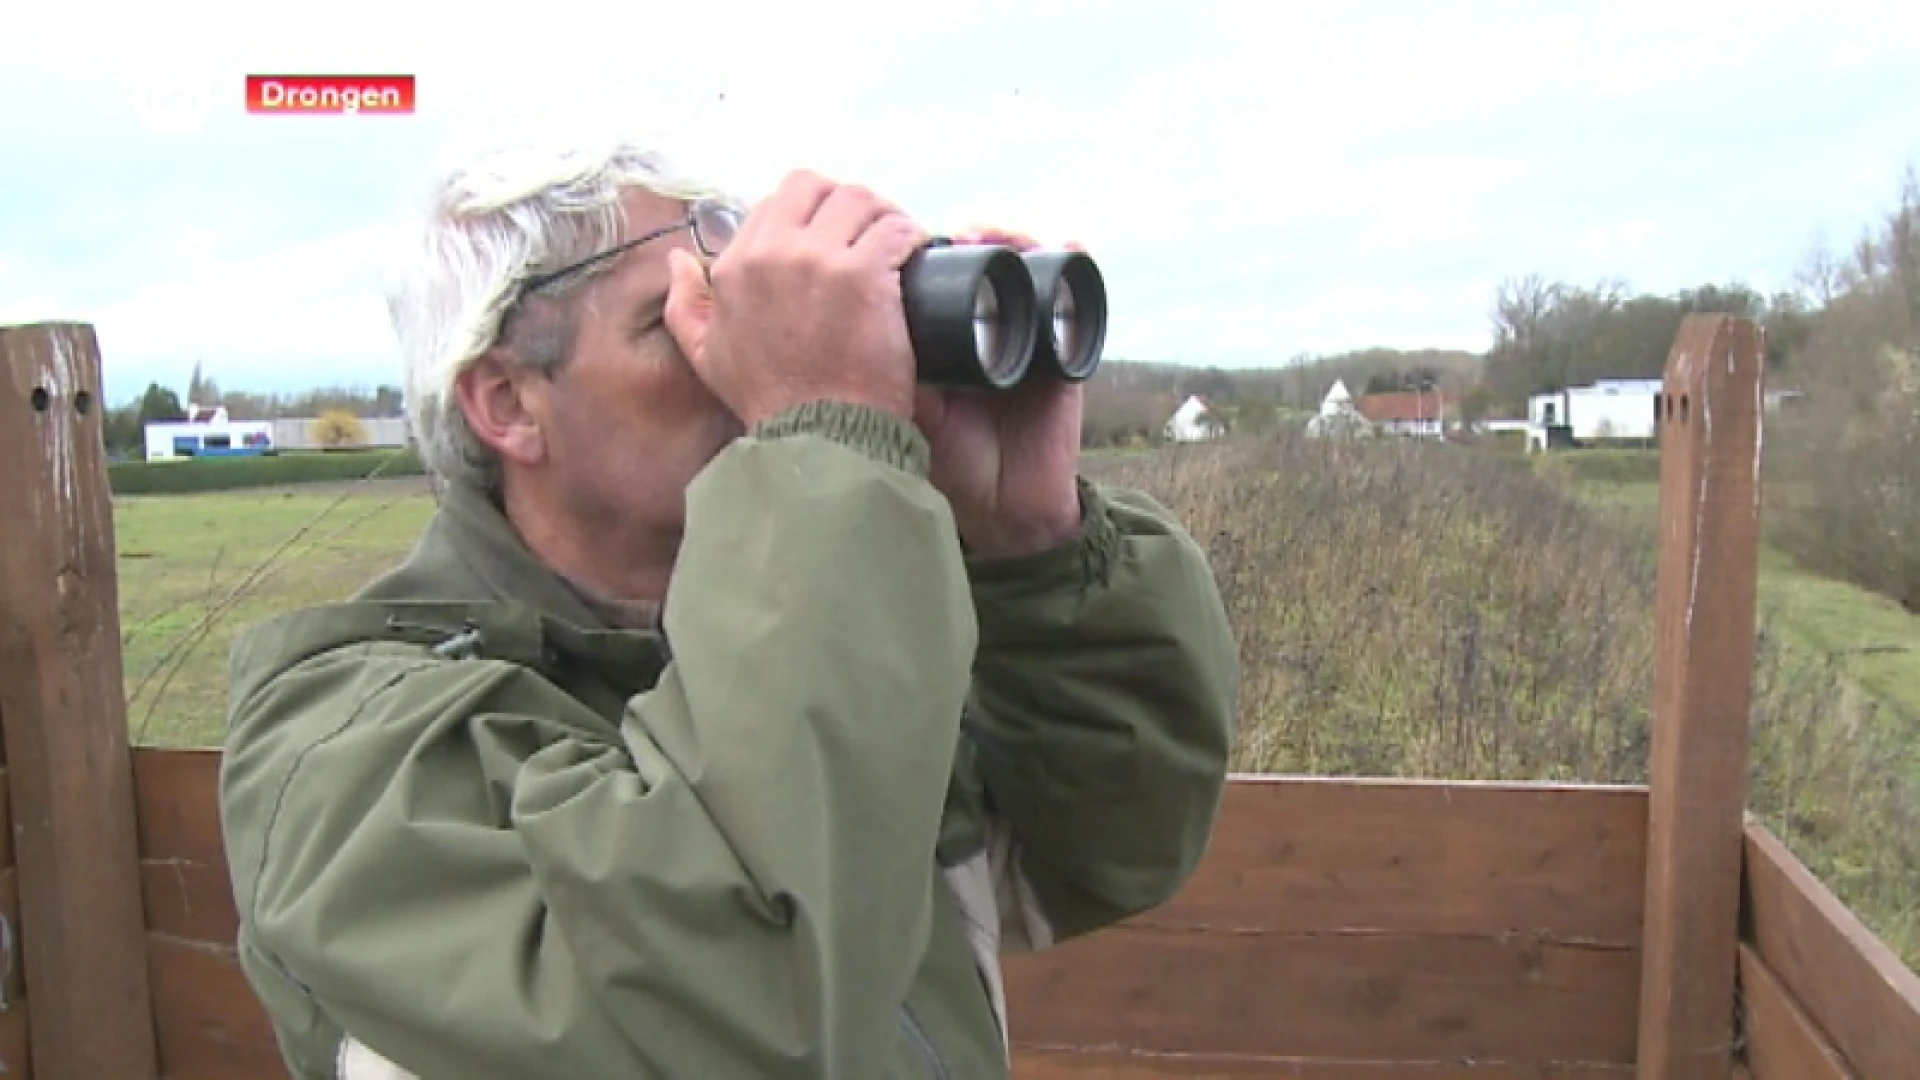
(1537, 408)
(1600, 414)
(1596, 413)
(1427, 426)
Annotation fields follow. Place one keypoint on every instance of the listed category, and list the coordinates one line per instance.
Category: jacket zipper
(925, 1045)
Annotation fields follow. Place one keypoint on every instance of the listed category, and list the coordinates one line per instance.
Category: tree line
(1843, 462)
(1843, 478)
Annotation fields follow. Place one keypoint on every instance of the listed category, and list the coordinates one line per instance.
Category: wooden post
(63, 715)
(1703, 687)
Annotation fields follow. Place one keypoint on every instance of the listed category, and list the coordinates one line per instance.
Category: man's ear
(504, 403)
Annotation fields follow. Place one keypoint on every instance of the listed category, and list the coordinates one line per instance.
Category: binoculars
(985, 316)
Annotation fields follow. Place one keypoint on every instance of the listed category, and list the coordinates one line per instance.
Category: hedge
(226, 473)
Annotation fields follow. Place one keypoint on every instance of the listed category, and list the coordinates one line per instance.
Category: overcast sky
(1258, 179)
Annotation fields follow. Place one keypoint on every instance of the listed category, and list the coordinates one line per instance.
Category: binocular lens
(1002, 367)
(1071, 347)
(970, 315)
(983, 315)
(1066, 332)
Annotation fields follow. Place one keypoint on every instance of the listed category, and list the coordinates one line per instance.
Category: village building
(1338, 417)
(1418, 414)
(1193, 421)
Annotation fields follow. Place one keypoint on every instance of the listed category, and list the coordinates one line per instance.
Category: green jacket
(476, 833)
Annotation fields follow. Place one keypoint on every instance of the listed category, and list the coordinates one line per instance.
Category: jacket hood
(469, 588)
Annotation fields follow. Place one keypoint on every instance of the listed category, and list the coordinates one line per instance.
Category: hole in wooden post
(82, 401)
(1683, 408)
(39, 399)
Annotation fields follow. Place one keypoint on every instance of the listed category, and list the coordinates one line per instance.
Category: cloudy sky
(1259, 180)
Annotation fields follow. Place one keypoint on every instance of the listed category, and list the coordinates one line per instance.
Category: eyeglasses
(713, 225)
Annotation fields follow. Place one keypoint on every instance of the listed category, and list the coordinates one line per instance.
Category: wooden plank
(6, 820)
(1408, 855)
(13, 976)
(1314, 855)
(178, 796)
(211, 1026)
(183, 868)
(14, 1044)
(1783, 1043)
(63, 706)
(15, 1055)
(1703, 681)
(1371, 996)
(190, 901)
(1519, 867)
(1849, 983)
(1115, 1065)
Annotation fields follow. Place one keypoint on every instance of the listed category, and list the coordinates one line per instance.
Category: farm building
(1421, 414)
(1610, 410)
(1191, 422)
(207, 433)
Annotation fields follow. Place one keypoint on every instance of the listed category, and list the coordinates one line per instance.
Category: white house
(1337, 415)
(207, 433)
(1609, 410)
(1190, 422)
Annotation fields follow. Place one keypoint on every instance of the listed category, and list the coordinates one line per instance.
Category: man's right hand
(804, 305)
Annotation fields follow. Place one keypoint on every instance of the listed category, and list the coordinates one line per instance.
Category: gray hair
(491, 221)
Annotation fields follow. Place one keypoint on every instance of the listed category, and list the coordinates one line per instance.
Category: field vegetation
(1401, 610)
(1424, 610)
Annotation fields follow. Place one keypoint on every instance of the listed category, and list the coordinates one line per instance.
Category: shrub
(1407, 609)
(1845, 485)
(337, 428)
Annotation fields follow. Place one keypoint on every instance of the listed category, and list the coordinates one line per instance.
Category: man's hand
(1007, 462)
(804, 305)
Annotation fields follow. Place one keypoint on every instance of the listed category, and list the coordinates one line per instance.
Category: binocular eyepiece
(986, 316)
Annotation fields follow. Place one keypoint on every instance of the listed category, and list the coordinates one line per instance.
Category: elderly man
(743, 701)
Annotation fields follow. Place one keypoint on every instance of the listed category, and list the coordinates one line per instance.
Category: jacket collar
(472, 558)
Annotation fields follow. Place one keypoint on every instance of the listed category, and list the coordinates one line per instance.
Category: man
(743, 701)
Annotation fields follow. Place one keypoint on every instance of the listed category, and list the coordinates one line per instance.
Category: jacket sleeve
(1103, 718)
(737, 885)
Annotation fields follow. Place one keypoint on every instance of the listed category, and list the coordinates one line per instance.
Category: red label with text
(337, 95)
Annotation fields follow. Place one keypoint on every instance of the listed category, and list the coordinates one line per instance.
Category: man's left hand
(1007, 461)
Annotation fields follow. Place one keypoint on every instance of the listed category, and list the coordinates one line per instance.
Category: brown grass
(1418, 610)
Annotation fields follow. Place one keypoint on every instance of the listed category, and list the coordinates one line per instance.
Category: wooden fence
(1337, 929)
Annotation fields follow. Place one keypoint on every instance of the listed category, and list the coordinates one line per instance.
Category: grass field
(1400, 611)
(194, 569)
(1869, 638)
